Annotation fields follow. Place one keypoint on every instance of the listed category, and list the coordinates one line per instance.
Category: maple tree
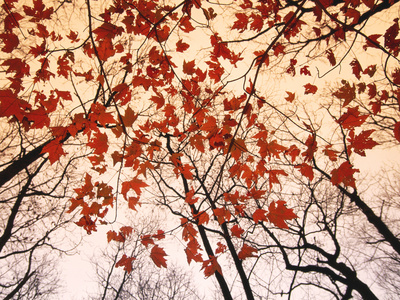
(179, 103)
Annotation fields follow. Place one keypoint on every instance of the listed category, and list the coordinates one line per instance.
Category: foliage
(215, 111)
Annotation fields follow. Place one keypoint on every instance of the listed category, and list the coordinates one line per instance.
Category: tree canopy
(242, 120)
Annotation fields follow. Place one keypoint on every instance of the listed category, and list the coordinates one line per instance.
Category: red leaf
(211, 266)
(241, 22)
(290, 97)
(147, 240)
(185, 24)
(10, 41)
(259, 215)
(99, 143)
(181, 46)
(54, 149)
(158, 256)
(344, 174)
(346, 92)
(237, 231)
(189, 67)
(310, 89)
(279, 213)
(135, 184)
(125, 262)
(356, 68)
(304, 70)
(361, 142)
(273, 176)
(38, 11)
(105, 49)
(332, 154)
(202, 217)
(247, 251)
(352, 118)
(306, 170)
(221, 248)
(159, 100)
(190, 197)
(331, 57)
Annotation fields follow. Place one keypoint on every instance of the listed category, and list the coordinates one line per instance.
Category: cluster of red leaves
(206, 131)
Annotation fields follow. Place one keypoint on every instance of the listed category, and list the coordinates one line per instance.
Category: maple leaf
(310, 89)
(99, 143)
(331, 57)
(352, 118)
(10, 41)
(190, 199)
(135, 184)
(113, 236)
(147, 240)
(259, 215)
(247, 251)
(346, 92)
(290, 97)
(38, 11)
(202, 217)
(361, 142)
(222, 215)
(258, 22)
(312, 147)
(105, 49)
(181, 46)
(273, 176)
(279, 213)
(185, 24)
(332, 154)
(356, 68)
(221, 248)
(158, 256)
(125, 262)
(211, 266)
(241, 23)
(54, 149)
(189, 67)
(306, 170)
(237, 148)
(304, 70)
(237, 231)
(344, 174)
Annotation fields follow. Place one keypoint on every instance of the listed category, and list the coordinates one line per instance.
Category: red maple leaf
(237, 231)
(279, 213)
(247, 251)
(306, 170)
(290, 97)
(310, 89)
(259, 215)
(273, 176)
(221, 248)
(10, 41)
(135, 184)
(361, 142)
(185, 24)
(352, 118)
(181, 46)
(54, 149)
(125, 262)
(344, 174)
(346, 92)
(211, 266)
(158, 256)
(241, 22)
